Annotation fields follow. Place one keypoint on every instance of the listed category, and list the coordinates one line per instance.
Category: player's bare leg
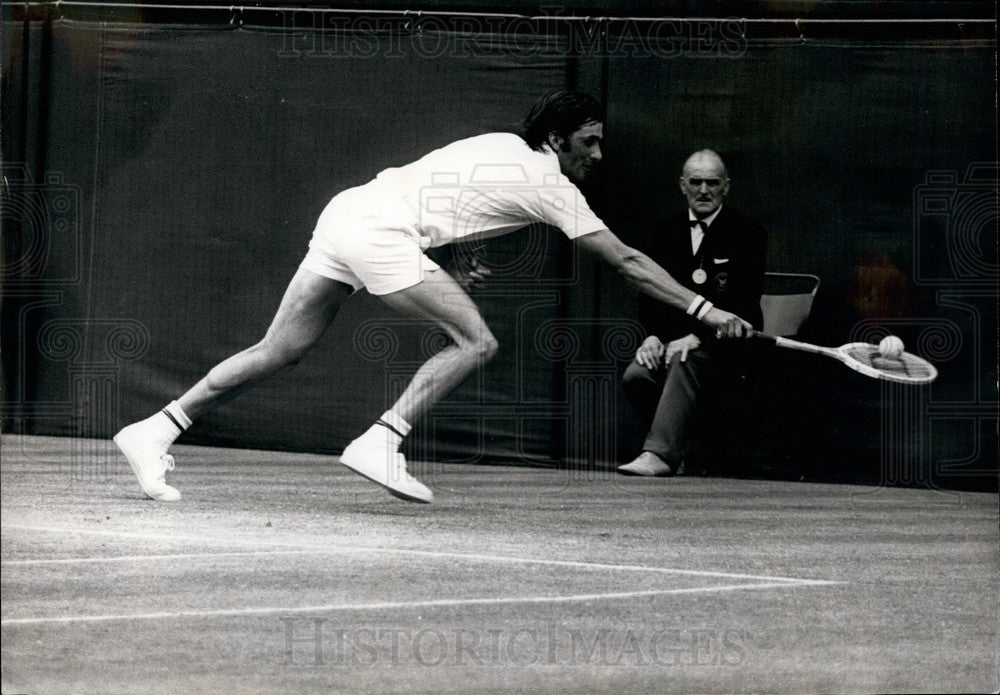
(306, 310)
(440, 299)
(375, 454)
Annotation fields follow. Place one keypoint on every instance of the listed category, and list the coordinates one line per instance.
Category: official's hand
(682, 346)
(727, 325)
(650, 353)
(472, 275)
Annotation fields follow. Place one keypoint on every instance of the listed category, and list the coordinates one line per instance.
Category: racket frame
(842, 355)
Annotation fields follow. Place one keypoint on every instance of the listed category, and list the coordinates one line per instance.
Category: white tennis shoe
(149, 461)
(648, 464)
(377, 462)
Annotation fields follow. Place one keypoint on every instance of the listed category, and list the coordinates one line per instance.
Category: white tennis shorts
(366, 237)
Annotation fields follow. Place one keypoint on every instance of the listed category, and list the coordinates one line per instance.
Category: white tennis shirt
(485, 186)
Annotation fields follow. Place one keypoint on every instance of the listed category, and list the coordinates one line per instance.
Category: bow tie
(699, 223)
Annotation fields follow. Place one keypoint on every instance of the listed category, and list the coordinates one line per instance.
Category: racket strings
(906, 366)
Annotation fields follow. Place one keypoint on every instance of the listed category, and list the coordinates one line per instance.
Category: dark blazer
(734, 250)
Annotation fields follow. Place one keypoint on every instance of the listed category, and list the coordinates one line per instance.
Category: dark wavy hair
(562, 112)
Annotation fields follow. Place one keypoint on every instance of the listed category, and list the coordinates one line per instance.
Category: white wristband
(705, 308)
(695, 304)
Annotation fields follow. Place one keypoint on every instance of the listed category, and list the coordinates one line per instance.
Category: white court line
(168, 556)
(405, 551)
(328, 608)
(764, 583)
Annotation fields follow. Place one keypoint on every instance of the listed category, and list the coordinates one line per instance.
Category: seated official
(720, 254)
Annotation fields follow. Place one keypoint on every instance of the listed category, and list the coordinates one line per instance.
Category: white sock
(396, 422)
(177, 413)
(390, 428)
(168, 424)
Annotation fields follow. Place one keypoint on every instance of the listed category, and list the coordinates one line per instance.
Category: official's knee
(636, 376)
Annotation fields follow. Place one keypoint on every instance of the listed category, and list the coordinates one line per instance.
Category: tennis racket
(866, 359)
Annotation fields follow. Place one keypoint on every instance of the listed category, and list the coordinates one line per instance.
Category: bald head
(705, 160)
(704, 182)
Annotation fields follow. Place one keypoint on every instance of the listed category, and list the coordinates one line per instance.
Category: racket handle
(764, 336)
(795, 344)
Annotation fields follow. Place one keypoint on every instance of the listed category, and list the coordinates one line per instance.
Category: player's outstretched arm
(649, 277)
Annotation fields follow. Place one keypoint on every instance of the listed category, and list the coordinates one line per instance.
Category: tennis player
(374, 236)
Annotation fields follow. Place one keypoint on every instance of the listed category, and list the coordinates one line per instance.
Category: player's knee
(281, 354)
(485, 346)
